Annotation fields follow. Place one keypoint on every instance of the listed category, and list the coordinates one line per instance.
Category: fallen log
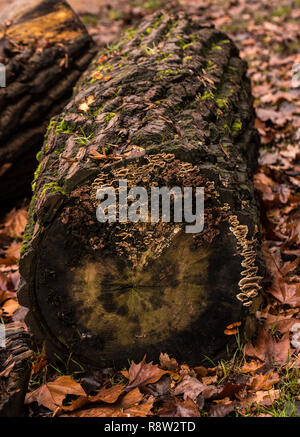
(170, 105)
(15, 369)
(43, 50)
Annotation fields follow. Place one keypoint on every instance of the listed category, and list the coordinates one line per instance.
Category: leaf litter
(256, 377)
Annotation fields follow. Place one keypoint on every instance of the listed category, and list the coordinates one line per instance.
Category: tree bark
(170, 105)
(15, 368)
(44, 48)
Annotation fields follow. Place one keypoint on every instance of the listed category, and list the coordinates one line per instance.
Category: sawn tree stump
(43, 48)
(170, 105)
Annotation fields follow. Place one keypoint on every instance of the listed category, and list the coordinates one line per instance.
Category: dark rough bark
(44, 48)
(172, 106)
(15, 367)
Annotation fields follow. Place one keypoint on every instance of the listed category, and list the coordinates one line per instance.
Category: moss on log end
(44, 48)
(170, 105)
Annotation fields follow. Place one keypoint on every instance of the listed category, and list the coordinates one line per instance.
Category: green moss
(53, 187)
(184, 43)
(36, 175)
(167, 72)
(150, 51)
(211, 65)
(110, 116)
(206, 96)
(236, 127)
(89, 20)
(38, 156)
(164, 57)
(62, 127)
(282, 11)
(97, 111)
(222, 103)
(28, 233)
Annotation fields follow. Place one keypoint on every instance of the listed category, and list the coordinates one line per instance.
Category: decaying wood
(44, 48)
(170, 105)
(15, 367)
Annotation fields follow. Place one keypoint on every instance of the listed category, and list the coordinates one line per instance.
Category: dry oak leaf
(251, 367)
(288, 294)
(126, 406)
(178, 408)
(108, 395)
(168, 363)
(201, 371)
(262, 397)
(221, 410)
(190, 388)
(142, 374)
(15, 222)
(13, 252)
(52, 394)
(264, 382)
(268, 349)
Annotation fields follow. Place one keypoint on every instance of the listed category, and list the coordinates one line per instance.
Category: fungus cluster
(140, 242)
(249, 284)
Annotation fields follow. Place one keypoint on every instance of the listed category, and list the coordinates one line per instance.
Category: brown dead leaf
(190, 388)
(264, 382)
(52, 394)
(251, 367)
(13, 252)
(15, 222)
(221, 410)
(168, 363)
(108, 395)
(286, 293)
(268, 349)
(126, 406)
(207, 380)
(261, 397)
(178, 408)
(142, 374)
(201, 371)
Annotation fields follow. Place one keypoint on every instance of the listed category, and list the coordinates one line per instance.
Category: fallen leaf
(264, 382)
(178, 408)
(267, 348)
(221, 410)
(52, 394)
(15, 222)
(168, 363)
(142, 374)
(190, 388)
(251, 367)
(108, 395)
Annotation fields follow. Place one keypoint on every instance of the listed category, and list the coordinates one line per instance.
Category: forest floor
(261, 379)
